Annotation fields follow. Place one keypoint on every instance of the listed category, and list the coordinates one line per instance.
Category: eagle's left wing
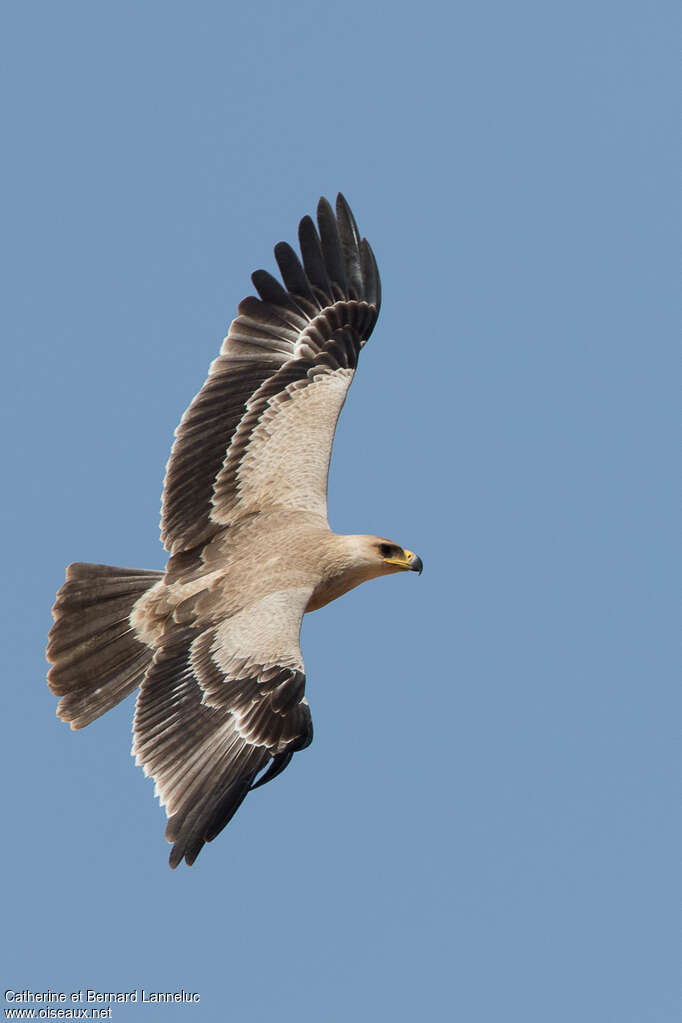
(219, 704)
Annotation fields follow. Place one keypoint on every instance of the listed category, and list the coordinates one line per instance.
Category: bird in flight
(213, 641)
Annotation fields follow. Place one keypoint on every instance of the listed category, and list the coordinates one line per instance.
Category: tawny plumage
(213, 642)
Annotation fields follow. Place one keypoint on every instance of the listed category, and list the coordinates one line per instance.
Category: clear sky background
(486, 827)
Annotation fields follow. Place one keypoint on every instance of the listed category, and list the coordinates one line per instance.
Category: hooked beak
(415, 562)
(410, 561)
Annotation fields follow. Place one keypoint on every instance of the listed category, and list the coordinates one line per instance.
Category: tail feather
(96, 657)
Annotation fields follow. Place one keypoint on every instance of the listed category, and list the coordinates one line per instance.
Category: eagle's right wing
(259, 433)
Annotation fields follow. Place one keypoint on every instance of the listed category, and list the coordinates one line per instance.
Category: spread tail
(95, 655)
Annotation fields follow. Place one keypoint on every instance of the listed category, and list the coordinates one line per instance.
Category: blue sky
(486, 826)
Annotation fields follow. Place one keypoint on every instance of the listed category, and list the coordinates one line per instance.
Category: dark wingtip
(277, 765)
(343, 211)
(324, 207)
(331, 244)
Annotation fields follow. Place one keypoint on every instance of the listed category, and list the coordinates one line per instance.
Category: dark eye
(388, 550)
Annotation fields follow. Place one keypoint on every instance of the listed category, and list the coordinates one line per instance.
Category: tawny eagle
(213, 641)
